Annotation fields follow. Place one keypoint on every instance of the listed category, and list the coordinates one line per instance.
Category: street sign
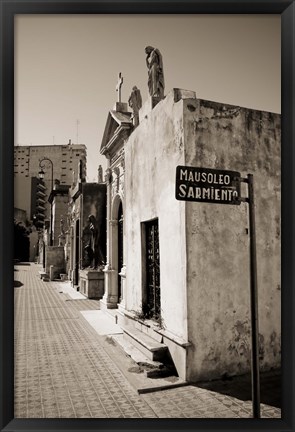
(224, 187)
(207, 185)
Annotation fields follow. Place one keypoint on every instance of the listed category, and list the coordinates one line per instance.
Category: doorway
(120, 250)
(153, 291)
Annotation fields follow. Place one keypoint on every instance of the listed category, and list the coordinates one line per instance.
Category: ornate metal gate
(120, 249)
(153, 269)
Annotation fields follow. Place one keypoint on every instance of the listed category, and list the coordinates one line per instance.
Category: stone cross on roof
(119, 85)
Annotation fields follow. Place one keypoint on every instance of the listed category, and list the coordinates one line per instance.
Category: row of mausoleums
(78, 234)
(177, 271)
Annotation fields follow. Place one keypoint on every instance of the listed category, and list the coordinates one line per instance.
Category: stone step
(149, 331)
(144, 374)
(152, 349)
(160, 372)
(136, 355)
(150, 368)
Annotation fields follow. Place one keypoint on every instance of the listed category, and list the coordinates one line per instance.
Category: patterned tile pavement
(195, 402)
(63, 371)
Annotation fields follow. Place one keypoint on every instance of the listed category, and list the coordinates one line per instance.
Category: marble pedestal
(92, 283)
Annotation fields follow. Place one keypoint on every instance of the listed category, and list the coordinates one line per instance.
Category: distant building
(38, 203)
(22, 194)
(59, 197)
(66, 164)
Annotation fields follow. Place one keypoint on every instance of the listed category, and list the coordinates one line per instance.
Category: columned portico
(123, 269)
(118, 128)
(115, 272)
(110, 298)
(109, 301)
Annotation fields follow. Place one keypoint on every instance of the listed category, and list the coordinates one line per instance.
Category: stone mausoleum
(86, 240)
(177, 271)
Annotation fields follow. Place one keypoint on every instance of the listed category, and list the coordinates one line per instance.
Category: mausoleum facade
(178, 270)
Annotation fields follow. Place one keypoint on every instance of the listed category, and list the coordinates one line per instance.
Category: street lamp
(41, 176)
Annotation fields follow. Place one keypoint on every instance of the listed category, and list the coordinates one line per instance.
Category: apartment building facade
(65, 165)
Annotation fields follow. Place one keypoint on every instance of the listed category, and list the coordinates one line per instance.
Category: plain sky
(67, 66)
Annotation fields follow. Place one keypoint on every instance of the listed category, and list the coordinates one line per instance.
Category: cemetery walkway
(63, 369)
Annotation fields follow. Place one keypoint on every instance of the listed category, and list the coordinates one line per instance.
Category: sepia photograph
(147, 216)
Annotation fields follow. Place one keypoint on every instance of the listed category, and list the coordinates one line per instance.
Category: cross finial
(119, 85)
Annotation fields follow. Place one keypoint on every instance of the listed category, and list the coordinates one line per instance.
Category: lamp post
(41, 176)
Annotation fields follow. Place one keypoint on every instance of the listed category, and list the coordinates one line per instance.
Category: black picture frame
(8, 9)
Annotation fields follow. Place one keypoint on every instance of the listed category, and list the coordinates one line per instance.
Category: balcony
(40, 201)
(40, 207)
(41, 193)
(41, 186)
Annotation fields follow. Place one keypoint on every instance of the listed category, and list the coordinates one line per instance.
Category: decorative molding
(121, 185)
(116, 157)
(117, 183)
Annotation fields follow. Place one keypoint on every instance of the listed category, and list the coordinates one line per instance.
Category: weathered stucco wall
(54, 256)
(34, 240)
(232, 138)
(151, 154)
(204, 248)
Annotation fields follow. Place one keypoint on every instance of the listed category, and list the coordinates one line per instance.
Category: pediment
(117, 124)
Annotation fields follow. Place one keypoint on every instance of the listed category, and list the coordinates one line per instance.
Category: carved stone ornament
(108, 175)
(117, 182)
(154, 64)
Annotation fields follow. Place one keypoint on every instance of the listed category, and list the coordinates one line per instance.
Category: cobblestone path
(63, 371)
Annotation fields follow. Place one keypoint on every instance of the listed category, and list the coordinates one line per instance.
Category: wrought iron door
(120, 249)
(153, 269)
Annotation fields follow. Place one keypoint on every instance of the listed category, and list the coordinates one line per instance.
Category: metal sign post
(254, 301)
(223, 187)
(255, 378)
